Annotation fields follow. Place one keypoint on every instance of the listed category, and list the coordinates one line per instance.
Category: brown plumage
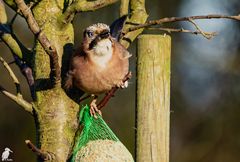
(100, 64)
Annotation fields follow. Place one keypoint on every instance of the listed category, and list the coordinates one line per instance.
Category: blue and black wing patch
(117, 26)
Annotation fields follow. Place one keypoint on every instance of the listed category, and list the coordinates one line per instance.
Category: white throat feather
(102, 52)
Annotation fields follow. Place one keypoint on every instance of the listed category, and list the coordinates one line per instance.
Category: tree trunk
(153, 98)
(56, 114)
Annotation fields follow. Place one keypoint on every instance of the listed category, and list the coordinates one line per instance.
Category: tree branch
(176, 19)
(12, 4)
(8, 37)
(200, 30)
(42, 38)
(124, 7)
(138, 16)
(16, 47)
(110, 94)
(83, 6)
(17, 98)
(172, 30)
(21, 54)
(43, 155)
(12, 75)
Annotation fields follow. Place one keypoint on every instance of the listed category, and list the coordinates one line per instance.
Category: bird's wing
(117, 26)
(122, 51)
(126, 54)
(4, 155)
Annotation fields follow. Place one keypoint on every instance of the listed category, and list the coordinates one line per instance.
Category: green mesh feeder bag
(97, 142)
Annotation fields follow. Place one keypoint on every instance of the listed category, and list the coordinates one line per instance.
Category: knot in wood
(149, 51)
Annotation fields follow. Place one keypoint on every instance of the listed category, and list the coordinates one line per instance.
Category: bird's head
(96, 36)
(8, 150)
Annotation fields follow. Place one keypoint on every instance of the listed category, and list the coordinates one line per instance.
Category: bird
(6, 154)
(100, 63)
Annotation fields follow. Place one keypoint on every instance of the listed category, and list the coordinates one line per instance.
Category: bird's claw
(122, 84)
(93, 109)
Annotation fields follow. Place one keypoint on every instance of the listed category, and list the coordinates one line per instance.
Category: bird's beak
(104, 34)
(10, 150)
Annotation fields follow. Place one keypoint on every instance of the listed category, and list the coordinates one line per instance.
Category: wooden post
(153, 98)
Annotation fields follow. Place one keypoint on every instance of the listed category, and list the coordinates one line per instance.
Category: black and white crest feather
(116, 27)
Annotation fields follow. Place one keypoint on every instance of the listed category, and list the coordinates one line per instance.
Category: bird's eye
(89, 34)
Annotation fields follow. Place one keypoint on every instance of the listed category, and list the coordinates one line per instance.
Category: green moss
(56, 112)
(139, 16)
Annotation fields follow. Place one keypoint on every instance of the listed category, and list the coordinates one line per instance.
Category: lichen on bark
(56, 113)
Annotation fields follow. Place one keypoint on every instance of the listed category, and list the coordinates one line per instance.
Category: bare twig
(110, 94)
(17, 98)
(43, 155)
(42, 38)
(9, 38)
(22, 56)
(200, 30)
(173, 30)
(175, 19)
(12, 75)
(180, 30)
(12, 4)
(83, 6)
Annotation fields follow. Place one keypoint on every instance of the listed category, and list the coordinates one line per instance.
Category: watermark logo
(6, 154)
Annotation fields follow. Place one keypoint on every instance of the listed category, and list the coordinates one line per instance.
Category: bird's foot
(93, 108)
(122, 84)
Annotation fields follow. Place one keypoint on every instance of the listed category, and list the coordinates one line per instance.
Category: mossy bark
(56, 114)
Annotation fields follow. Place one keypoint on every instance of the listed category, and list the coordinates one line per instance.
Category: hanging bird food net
(97, 142)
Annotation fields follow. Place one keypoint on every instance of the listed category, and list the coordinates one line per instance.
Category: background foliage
(204, 87)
